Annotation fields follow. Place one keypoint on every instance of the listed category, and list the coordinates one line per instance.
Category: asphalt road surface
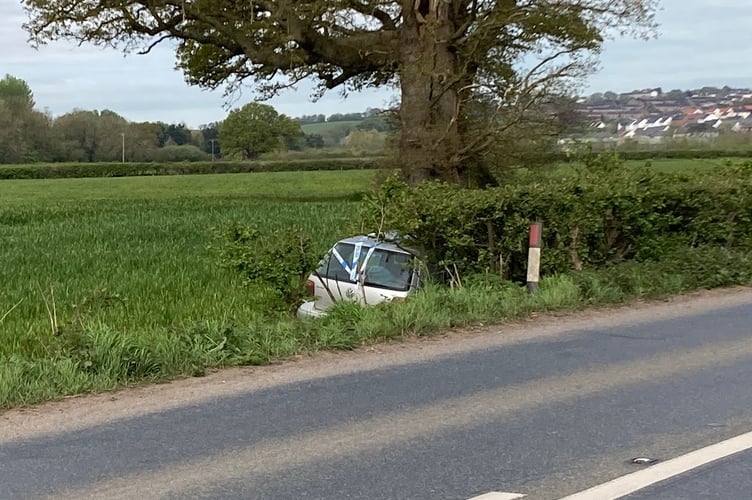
(545, 409)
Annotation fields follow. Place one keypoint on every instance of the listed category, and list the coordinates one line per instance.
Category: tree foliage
(255, 129)
(92, 135)
(24, 132)
(443, 54)
(370, 142)
(16, 94)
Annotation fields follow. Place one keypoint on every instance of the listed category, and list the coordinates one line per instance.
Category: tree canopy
(23, 131)
(442, 54)
(255, 129)
(16, 94)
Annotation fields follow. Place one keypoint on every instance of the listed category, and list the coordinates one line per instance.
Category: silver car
(361, 269)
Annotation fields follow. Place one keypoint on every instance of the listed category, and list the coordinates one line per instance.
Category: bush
(277, 261)
(680, 270)
(185, 152)
(600, 215)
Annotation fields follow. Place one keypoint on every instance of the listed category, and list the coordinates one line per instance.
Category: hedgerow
(80, 170)
(599, 215)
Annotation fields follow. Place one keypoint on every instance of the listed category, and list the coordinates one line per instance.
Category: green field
(131, 253)
(665, 165)
(671, 165)
(319, 128)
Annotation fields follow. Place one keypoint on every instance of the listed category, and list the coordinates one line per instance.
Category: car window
(384, 268)
(330, 266)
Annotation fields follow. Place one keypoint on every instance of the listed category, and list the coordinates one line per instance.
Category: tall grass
(132, 253)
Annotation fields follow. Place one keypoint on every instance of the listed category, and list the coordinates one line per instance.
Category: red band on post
(535, 235)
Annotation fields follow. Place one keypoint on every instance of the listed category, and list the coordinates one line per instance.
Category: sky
(700, 43)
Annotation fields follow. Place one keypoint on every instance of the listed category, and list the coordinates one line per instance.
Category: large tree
(93, 136)
(442, 54)
(255, 129)
(16, 94)
(24, 131)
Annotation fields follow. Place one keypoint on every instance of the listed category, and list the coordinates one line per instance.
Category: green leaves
(254, 129)
(277, 259)
(16, 94)
(605, 213)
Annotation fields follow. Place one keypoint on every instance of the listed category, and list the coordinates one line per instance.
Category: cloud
(701, 42)
(65, 76)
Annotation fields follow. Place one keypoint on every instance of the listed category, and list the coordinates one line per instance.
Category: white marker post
(533, 256)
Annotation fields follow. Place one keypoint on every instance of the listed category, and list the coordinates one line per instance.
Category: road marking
(497, 495)
(639, 480)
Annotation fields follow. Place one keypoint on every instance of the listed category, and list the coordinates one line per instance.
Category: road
(545, 408)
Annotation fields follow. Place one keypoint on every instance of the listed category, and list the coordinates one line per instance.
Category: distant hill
(323, 127)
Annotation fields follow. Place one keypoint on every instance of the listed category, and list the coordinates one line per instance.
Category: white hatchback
(361, 269)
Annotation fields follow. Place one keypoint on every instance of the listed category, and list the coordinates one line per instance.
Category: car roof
(370, 241)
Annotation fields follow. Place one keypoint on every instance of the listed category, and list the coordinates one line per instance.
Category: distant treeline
(339, 117)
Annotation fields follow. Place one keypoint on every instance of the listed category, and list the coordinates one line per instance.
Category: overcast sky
(701, 42)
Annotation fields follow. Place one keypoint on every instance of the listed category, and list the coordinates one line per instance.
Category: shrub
(276, 260)
(185, 152)
(599, 215)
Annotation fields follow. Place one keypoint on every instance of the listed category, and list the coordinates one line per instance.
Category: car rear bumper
(308, 310)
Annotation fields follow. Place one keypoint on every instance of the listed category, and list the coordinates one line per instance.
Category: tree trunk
(430, 138)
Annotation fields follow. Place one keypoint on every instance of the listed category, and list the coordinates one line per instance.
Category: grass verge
(99, 357)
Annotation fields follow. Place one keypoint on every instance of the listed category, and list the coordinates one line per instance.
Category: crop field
(676, 165)
(664, 165)
(132, 253)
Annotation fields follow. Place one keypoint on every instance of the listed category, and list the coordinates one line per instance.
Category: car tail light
(310, 288)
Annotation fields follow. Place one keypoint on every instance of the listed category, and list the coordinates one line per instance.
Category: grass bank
(102, 357)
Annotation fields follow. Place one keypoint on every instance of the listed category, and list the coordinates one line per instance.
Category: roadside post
(533, 256)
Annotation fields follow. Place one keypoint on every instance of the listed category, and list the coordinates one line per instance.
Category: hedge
(681, 154)
(599, 215)
(70, 170)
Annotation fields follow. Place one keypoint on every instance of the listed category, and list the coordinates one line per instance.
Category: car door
(336, 280)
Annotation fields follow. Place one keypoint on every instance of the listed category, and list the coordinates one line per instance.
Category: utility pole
(122, 135)
(212, 141)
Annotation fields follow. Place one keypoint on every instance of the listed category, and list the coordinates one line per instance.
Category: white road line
(636, 481)
(497, 495)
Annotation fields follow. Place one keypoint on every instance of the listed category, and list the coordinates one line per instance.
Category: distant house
(744, 126)
(672, 113)
(653, 135)
(661, 122)
(705, 130)
(644, 93)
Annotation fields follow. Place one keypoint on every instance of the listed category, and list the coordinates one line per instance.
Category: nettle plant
(276, 260)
